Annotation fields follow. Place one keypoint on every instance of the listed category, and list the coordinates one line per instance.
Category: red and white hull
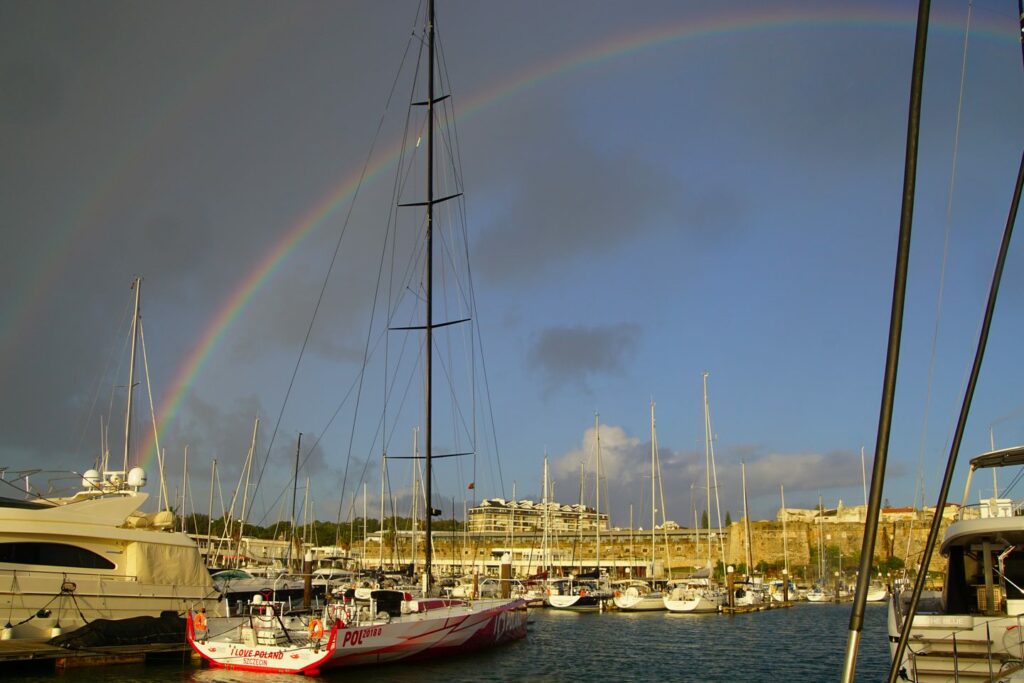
(284, 644)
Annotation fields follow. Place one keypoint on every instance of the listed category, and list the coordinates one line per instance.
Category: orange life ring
(199, 621)
(316, 629)
(583, 592)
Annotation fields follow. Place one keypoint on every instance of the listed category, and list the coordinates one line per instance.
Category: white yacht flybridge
(68, 560)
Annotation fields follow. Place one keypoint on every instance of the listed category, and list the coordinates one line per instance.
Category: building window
(52, 555)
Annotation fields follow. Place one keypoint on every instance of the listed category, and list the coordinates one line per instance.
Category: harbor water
(803, 643)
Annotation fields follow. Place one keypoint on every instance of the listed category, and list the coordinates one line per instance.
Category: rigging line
(1020, 13)
(451, 383)
(330, 268)
(945, 254)
(398, 187)
(152, 414)
(455, 163)
(475, 312)
(381, 433)
(965, 407)
(82, 427)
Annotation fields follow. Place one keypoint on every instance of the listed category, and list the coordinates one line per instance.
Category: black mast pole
(295, 488)
(893, 355)
(428, 352)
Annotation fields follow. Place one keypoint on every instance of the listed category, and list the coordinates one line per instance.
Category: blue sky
(727, 204)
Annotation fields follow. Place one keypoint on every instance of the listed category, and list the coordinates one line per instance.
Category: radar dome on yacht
(164, 519)
(137, 477)
(91, 479)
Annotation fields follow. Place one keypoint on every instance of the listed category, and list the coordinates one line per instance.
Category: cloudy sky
(652, 191)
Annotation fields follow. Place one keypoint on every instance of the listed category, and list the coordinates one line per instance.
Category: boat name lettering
(355, 636)
(506, 623)
(262, 654)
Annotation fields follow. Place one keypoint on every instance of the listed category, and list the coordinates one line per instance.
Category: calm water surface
(805, 643)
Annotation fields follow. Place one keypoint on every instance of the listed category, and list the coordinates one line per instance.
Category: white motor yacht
(69, 560)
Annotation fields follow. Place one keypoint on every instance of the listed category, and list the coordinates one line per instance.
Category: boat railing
(992, 508)
(72, 575)
(1001, 654)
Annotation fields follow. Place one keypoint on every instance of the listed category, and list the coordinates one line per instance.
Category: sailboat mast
(546, 513)
(597, 512)
(746, 522)
(512, 524)
(415, 496)
(184, 489)
(785, 541)
(295, 491)
(707, 461)
(137, 286)
(428, 352)
(864, 479)
(362, 559)
(383, 474)
(653, 509)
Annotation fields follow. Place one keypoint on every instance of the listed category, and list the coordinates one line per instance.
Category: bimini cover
(1004, 457)
(169, 565)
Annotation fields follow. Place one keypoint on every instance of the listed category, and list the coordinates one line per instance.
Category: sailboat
(636, 595)
(749, 592)
(91, 554)
(698, 593)
(390, 625)
(586, 591)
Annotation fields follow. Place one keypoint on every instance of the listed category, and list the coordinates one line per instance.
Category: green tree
(728, 518)
(704, 520)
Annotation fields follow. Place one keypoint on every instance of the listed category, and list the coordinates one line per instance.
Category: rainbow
(863, 18)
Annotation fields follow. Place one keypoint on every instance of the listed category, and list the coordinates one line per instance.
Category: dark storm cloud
(573, 355)
(566, 196)
(225, 433)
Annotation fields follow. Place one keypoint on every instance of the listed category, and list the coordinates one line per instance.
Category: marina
(403, 557)
(760, 648)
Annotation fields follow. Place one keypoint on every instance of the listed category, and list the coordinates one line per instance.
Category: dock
(763, 607)
(27, 652)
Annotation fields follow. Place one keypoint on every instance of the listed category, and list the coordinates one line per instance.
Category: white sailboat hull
(696, 604)
(649, 602)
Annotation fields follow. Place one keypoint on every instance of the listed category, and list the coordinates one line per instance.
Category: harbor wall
(626, 553)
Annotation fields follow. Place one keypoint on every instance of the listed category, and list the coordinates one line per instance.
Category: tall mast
(597, 513)
(184, 489)
(512, 543)
(746, 522)
(383, 473)
(707, 461)
(428, 352)
(295, 490)
(137, 286)
(209, 515)
(362, 558)
(785, 541)
(546, 514)
(653, 510)
(864, 479)
(415, 496)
